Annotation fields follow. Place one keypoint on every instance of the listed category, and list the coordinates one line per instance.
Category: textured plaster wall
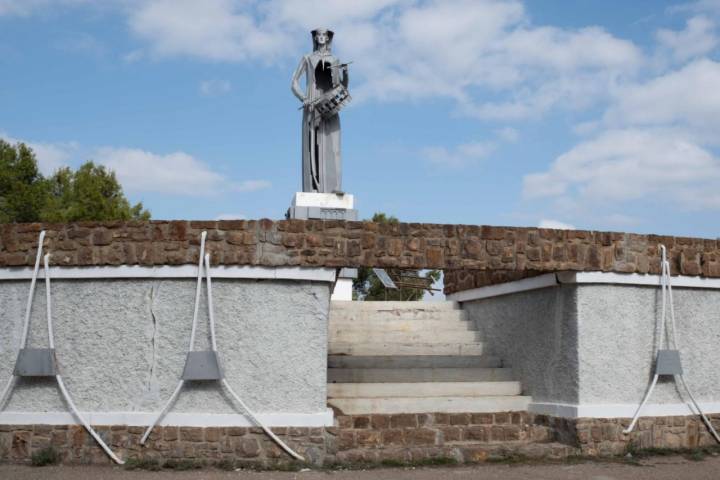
(121, 344)
(616, 334)
(593, 344)
(535, 333)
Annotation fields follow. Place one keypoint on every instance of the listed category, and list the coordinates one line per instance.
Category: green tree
(91, 192)
(367, 286)
(23, 190)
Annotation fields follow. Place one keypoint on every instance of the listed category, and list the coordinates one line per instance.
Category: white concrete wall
(586, 349)
(121, 344)
(535, 333)
(616, 325)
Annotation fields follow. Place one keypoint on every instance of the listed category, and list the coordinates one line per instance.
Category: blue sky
(592, 114)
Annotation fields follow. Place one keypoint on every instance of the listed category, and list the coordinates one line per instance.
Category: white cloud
(141, 171)
(29, 7)
(698, 38)
(459, 156)
(175, 173)
(212, 88)
(405, 49)
(654, 146)
(698, 6)
(687, 97)
(313, 13)
(402, 49)
(453, 48)
(50, 156)
(660, 166)
(212, 29)
(548, 223)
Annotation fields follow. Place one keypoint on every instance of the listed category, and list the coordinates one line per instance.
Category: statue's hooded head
(322, 38)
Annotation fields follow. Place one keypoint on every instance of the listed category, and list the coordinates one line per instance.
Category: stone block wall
(353, 244)
(354, 439)
(367, 439)
(605, 437)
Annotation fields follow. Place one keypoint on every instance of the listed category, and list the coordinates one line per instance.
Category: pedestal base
(322, 206)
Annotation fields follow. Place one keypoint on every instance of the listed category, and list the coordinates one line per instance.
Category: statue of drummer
(325, 94)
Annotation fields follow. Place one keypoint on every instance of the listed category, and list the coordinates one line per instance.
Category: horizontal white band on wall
(578, 278)
(141, 419)
(619, 410)
(174, 271)
(532, 283)
(681, 281)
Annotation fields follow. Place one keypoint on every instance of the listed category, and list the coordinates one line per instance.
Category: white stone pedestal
(322, 206)
(328, 206)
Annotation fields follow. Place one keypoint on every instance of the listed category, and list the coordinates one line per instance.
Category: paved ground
(658, 468)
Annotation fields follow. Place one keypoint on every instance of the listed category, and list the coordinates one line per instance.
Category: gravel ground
(657, 468)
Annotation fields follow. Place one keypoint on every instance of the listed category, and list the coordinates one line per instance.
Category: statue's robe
(321, 162)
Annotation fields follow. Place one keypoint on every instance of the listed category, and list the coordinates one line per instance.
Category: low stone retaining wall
(367, 439)
(314, 243)
(605, 437)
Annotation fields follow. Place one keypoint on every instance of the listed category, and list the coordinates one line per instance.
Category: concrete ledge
(532, 283)
(324, 419)
(577, 278)
(636, 279)
(175, 271)
(565, 410)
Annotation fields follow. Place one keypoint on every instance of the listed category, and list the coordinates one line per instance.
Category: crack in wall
(153, 341)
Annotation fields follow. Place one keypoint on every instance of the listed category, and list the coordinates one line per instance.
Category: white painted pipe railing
(671, 342)
(205, 260)
(51, 344)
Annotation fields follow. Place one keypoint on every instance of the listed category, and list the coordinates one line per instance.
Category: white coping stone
(342, 290)
(324, 419)
(554, 279)
(174, 271)
(423, 389)
(619, 410)
(484, 404)
(323, 200)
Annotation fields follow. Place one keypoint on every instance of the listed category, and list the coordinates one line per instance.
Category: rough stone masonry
(471, 255)
(366, 439)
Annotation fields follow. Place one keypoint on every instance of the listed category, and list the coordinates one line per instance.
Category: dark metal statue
(325, 94)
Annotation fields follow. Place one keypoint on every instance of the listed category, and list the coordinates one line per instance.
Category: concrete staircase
(413, 357)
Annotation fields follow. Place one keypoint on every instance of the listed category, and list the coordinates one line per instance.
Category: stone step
(356, 336)
(375, 316)
(393, 348)
(412, 375)
(486, 404)
(394, 305)
(423, 389)
(413, 361)
(417, 316)
(400, 323)
(401, 326)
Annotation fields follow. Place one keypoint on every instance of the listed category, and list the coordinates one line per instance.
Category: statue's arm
(296, 80)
